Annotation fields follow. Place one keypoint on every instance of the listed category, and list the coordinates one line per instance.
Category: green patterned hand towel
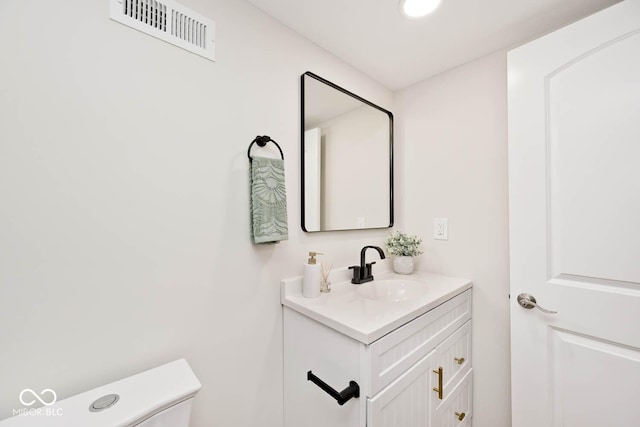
(268, 201)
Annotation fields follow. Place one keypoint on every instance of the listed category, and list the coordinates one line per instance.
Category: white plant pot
(403, 264)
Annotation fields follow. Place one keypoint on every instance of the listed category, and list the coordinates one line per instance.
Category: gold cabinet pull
(460, 360)
(439, 388)
(460, 416)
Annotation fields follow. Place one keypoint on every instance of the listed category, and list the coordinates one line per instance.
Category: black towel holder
(342, 397)
(262, 141)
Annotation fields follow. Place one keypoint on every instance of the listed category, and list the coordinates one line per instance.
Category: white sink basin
(394, 290)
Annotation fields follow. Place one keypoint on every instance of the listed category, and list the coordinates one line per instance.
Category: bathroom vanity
(404, 340)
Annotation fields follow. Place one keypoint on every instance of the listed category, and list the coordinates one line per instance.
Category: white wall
(124, 224)
(452, 132)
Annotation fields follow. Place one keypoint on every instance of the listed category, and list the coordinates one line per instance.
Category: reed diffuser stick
(325, 271)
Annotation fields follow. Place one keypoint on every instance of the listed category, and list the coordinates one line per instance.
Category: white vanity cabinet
(397, 372)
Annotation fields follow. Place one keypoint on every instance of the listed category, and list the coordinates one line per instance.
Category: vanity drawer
(397, 351)
(455, 406)
(403, 403)
(453, 358)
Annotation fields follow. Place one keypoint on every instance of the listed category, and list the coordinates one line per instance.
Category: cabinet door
(455, 410)
(453, 358)
(404, 402)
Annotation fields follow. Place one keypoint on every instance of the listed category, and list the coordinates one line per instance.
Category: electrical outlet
(441, 228)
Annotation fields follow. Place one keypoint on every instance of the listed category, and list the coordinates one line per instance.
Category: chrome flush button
(104, 402)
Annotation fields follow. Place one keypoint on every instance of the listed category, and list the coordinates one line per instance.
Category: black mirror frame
(371, 104)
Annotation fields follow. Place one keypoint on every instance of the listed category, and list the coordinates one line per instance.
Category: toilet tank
(159, 397)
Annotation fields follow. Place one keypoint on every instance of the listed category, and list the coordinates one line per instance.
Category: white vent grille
(169, 21)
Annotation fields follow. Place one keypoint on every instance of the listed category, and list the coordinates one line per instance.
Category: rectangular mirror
(347, 159)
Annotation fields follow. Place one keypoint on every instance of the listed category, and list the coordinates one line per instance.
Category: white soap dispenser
(312, 277)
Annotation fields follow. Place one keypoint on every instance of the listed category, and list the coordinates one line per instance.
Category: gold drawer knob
(460, 360)
(460, 416)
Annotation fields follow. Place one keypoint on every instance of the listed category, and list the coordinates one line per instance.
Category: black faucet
(363, 273)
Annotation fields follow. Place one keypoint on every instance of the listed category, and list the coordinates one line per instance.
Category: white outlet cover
(441, 228)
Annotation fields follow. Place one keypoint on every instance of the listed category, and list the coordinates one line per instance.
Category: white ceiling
(372, 36)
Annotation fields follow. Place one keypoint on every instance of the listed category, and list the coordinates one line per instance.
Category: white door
(574, 178)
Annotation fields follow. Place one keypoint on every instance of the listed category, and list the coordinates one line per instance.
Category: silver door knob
(529, 301)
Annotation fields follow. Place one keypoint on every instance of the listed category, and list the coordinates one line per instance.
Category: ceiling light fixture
(418, 8)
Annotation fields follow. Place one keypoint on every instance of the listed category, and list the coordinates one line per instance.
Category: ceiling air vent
(169, 21)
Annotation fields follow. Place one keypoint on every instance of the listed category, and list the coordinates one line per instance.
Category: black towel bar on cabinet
(353, 390)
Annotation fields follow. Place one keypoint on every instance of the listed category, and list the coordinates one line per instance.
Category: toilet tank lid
(140, 397)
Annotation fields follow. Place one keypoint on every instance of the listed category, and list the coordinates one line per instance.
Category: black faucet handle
(368, 269)
(357, 275)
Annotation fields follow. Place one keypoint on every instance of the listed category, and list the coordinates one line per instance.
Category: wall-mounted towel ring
(262, 141)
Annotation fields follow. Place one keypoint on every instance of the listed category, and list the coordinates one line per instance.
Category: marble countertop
(351, 310)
